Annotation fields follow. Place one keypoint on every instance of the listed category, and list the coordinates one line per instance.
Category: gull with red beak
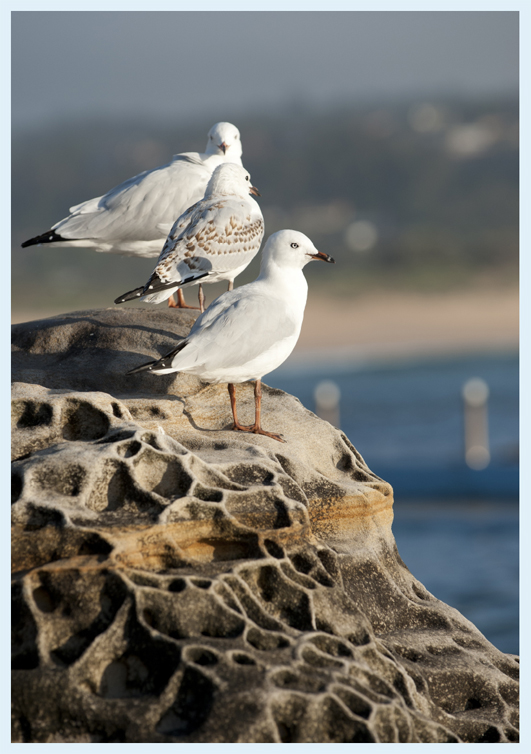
(213, 240)
(135, 217)
(248, 332)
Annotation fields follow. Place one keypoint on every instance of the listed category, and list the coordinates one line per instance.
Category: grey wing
(234, 330)
(136, 207)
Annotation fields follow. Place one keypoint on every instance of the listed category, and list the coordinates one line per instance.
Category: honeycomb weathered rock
(177, 582)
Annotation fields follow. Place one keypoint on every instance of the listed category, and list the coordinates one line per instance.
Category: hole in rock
(302, 563)
(16, 487)
(274, 549)
(220, 446)
(328, 559)
(308, 682)
(161, 473)
(400, 686)
(265, 641)
(43, 600)
(148, 618)
(317, 660)
(67, 480)
(282, 520)
(360, 638)
(30, 414)
(191, 707)
(355, 703)
(248, 474)
(331, 646)
(201, 656)
(323, 579)
(490, 736)
(84, 421)
(143, 670)
(94, 544)
(286, 733)
(129, 449)
(177, 585)
(243, 659)
(340, 728)
(150, 438)
(207, 494)
(201, 583)
(472, 704)
(511, 735)
(116, 410)
(39, 516)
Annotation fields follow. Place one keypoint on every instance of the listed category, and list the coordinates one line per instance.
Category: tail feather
(160, 366)
(48, 237)
(129, 295)
(155, 285)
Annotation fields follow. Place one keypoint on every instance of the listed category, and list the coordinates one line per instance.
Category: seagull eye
(211, 138)
(246, 177)
(294, 245)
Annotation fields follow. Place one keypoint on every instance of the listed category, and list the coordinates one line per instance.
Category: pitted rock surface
(177, 582)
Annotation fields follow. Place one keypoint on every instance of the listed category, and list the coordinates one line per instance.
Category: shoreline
(388, 326)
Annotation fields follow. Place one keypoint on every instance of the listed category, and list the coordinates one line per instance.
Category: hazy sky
(189, 64)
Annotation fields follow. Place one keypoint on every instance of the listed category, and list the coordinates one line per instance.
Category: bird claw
(256, 431)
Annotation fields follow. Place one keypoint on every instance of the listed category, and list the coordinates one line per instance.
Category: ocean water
(409, 417)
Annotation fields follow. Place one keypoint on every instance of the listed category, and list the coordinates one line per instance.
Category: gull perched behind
(213, 240)
(250, 331)
(135, 217)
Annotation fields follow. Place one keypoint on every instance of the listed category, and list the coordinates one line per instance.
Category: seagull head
(230, 179)
(224, 140)
(290, 248)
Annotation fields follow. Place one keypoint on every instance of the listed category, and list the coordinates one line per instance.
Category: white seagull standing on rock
(213, 240)
(135, 217)
(250, 331)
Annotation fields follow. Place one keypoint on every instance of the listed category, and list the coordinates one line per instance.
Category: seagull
(135, 217)
(213, 240)
(248, 332)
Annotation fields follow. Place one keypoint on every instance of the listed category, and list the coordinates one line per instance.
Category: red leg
(201, 297)
(181, 303)
(236, 425)
(254, 428)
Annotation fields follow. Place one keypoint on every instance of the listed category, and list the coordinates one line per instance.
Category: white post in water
(327, 395)
(475, 396)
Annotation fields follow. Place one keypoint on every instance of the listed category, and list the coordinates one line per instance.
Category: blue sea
(456, 529)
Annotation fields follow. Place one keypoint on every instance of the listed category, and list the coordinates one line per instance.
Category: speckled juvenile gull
(248, 332)
(135, 217)
(213, 240)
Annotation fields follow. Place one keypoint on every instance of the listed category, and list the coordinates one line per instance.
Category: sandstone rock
(177, 582)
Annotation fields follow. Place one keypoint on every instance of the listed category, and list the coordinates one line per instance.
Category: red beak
(223, 147)
(323, 256)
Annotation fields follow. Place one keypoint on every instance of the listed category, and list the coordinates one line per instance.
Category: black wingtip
(49, 237)
(144, 368)
(137, 293)
(164, 363)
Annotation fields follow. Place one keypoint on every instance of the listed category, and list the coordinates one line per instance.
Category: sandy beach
(386, 325)
(397, 325)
